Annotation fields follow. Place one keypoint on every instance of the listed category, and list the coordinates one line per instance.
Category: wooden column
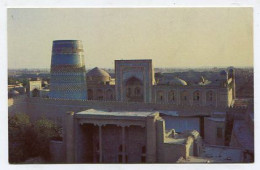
(100, 143)
(123, 144)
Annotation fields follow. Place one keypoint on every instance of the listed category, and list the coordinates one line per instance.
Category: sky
(171, 37)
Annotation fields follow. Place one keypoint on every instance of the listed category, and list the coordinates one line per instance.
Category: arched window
(128, 92)
(137, 91)
(160, 96)
(100, 94)
(171, 96)
(209, 96)
(196, 96)
(184, 95)
(109, 94)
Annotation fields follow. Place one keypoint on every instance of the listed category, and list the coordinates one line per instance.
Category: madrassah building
(133, 116)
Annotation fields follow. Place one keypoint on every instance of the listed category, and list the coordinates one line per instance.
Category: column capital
(99, 124)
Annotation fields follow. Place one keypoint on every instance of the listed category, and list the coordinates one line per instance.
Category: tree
(24, 81)
(11, 81)
(18, 126)
(45, 130)
(27, 140)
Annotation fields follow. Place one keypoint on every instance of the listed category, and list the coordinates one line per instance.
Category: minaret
(232, 75)
(68, 73)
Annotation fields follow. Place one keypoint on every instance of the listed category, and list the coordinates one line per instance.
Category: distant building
(15, 90)
(135, 82)
(34, 87)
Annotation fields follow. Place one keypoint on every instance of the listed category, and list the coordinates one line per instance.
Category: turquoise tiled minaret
(68, 73)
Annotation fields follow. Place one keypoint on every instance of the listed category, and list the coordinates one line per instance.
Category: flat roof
(175, 140)
(222, 154)
(216, 154)
(93, 112)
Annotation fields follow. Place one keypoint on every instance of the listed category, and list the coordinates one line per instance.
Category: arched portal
(171, 96)
(109, 94)
(134, 90)
(196, 96)
(184, 97)
(210, 97)
(160, 96)
(35, 93)
(99, 94)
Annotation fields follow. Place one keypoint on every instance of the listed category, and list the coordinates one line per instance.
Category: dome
(223, 73)
(14, 92)
(231, 71)
(97, 72)
(177, 81)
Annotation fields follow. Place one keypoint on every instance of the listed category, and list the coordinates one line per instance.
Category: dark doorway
(134, 90)
(35, 93)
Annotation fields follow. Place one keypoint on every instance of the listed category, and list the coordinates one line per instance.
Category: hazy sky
(171, 37)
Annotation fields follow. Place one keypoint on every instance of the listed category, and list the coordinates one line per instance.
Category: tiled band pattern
(68, 71)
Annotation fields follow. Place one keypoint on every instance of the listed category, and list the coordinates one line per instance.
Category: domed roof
(177, 81)
(223, 73)
(231, 70)
(14, 92)
(97, 72)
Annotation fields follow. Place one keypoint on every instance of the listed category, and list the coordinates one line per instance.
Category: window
(184, 95)
(160, 96)
(100, 94)
(219, 133)
(171, 96)
(209, 96)
(137, 91)
(129, 92)
(109, 94)
(196, 96)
